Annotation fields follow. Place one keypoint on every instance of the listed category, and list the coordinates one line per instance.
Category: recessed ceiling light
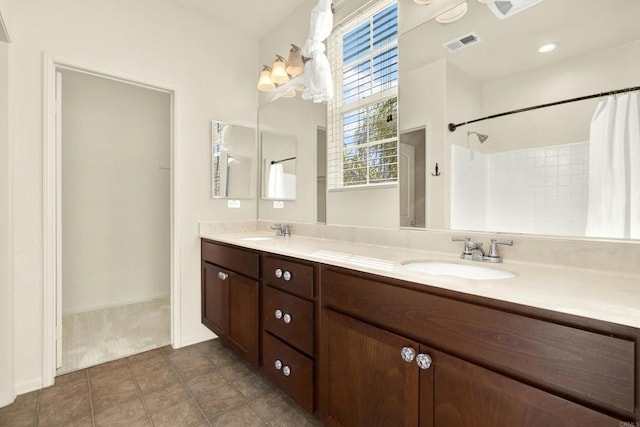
(453, 14)
(547, 47)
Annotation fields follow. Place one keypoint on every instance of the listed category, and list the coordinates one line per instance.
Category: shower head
(482, 137)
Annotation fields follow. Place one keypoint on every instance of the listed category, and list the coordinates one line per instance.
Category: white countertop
(589, 293)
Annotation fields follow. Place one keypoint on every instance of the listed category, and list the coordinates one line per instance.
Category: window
(362, 123)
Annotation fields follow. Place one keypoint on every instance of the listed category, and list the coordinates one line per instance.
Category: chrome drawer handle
(278, 364)
(222, 276)
(286, 371)
(278, 273)
(287, 276)
(278, 314)
(287, 318)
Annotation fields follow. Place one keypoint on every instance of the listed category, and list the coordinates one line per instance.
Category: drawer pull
(222, 276)
(278, 314)
(408, 354)
(278, 273)
(287, 318)
(423, 361)
(286, 371)
(278, 364)
(287, 276)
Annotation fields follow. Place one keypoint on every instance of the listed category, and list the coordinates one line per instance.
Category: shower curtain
(613, 209)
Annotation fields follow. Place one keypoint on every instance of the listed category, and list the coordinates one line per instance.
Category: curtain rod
(273, 162)
(454, 126)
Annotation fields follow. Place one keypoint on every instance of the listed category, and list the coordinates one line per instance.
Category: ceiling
(510, 46)
(253, 17)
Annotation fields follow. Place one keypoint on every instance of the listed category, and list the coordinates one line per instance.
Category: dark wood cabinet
(358, 349)
(231, 297)
(375, 332)
(289, 327)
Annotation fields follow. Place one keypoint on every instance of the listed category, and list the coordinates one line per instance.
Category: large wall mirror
(233, 161)
(522, 173)
(278, 166)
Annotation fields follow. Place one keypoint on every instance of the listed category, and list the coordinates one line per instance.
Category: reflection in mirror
(233, 165)
(321, 175)
(279, 166)
(541, 171)
(412, 178)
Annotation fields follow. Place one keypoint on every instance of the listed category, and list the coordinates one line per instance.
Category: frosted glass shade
(264, 83)
(295, 66)
(453, 14)
(279, 74)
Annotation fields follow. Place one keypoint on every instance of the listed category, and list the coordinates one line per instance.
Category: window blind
(362, 130)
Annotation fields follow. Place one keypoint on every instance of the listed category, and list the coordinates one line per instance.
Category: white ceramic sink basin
(257, 238)
(466, 271)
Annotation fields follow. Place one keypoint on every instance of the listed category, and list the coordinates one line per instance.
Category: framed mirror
(233, 161)
(278, 166)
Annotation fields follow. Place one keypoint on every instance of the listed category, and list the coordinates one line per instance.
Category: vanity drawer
(592, 367)
(295, 322)
(291, 276)
(299, 382)
(235, 259)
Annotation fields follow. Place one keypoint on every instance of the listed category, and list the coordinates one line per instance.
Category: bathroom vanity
(358, 340)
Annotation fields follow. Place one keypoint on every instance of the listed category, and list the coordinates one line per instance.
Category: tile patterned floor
(202, 385)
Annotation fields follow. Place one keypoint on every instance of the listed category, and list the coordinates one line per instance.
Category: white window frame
(336, 110)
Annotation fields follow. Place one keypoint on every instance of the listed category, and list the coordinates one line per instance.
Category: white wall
(213, 68)
(115, 193)
(6, 292)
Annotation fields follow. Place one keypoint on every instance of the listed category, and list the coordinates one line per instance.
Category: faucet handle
(494, 255)
(277, 228)
(468, 245)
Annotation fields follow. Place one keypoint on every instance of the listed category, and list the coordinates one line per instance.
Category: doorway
(109, 216)
(412, 178)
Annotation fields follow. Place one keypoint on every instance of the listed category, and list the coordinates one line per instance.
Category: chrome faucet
(494, 255)
(474, 251)
(282, 229)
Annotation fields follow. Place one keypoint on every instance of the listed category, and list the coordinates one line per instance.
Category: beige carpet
(99, 336)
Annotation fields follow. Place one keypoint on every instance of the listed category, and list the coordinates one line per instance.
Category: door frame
(52, 199)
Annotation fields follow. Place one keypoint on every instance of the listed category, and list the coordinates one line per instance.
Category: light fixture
(265, 83)
(453, 14)
(548, 47)
(278, 73)
(295, 65)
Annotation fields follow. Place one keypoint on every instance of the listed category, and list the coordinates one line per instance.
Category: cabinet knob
(278, 273)
(287, 276)
(278, 364)
(286, 371)
(222, 276)
(408, 354)
(287, 318)
(423, 361)
(278, 314)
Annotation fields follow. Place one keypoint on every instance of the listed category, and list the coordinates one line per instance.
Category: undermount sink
(257, 238)
(465, 271)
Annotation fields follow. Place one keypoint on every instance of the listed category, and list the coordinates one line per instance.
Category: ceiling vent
(505, 9)
(461, 42)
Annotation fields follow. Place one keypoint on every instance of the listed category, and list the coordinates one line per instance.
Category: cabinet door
(243, 330)
(369, 382)
(214, 299)
(468, 395)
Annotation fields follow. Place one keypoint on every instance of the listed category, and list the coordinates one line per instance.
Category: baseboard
(7, 400)
(116, 304)
(27, 386)
(203, 335)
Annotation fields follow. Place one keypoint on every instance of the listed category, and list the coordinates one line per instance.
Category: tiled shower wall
(539, 190)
